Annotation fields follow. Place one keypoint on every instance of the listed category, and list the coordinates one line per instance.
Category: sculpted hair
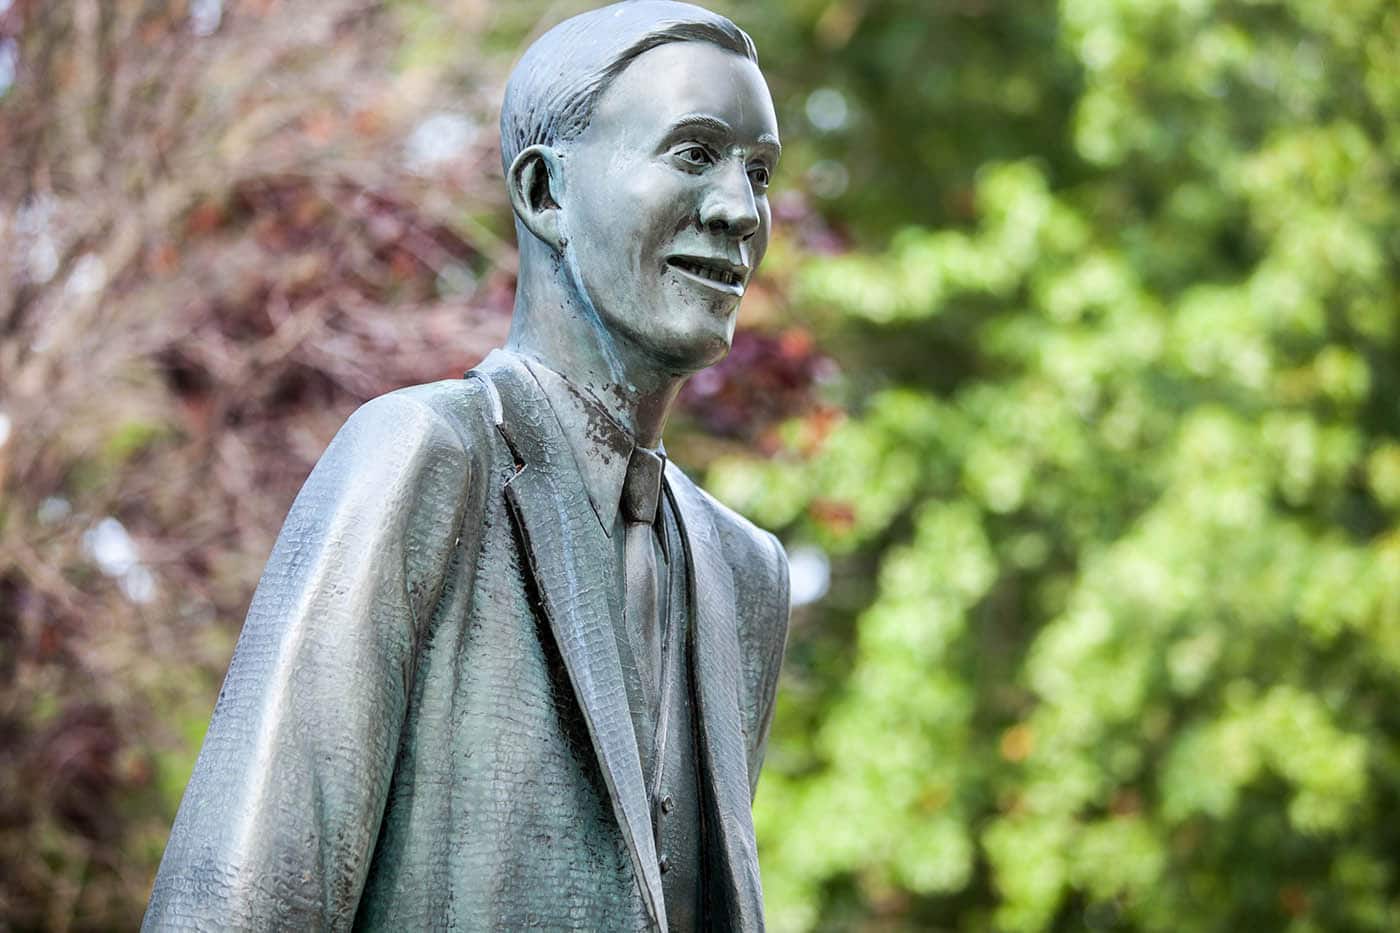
(555, 86)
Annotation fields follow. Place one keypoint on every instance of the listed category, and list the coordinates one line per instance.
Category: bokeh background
(1072, 384)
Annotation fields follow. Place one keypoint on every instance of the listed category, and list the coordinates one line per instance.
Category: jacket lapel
(718, 665)
(572, 564)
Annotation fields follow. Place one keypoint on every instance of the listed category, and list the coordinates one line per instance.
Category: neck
(555, 324)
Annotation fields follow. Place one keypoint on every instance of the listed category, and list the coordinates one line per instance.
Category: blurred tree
(222, 226)
(1114, 637)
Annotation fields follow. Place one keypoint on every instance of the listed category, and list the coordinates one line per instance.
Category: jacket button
(668, 803)
(665, 864)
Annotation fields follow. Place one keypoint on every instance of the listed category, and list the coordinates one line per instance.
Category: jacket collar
(601, 447)
(574, 569)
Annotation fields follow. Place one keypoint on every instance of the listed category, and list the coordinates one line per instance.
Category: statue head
(638, 141)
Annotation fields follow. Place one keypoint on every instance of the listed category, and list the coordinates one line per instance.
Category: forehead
(682, 79)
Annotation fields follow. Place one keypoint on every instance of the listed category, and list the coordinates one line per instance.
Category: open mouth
(711, 272)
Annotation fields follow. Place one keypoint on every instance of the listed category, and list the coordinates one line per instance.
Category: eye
(758, 174)
(695, 155)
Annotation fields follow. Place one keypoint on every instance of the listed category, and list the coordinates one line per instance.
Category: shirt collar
(600, 446)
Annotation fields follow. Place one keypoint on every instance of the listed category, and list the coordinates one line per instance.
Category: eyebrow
(692, 121)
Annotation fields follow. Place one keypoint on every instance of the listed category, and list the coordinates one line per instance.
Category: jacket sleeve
(763, 636)
(779, 607)
(280, 817)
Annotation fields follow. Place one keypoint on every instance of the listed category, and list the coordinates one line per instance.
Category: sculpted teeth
(706, 272)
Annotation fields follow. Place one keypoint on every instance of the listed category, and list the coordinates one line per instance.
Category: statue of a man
(509, 668)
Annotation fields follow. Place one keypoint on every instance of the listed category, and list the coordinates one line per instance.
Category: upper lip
(712, 264)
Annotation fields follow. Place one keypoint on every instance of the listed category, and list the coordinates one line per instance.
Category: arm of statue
(281, 815)
(762, 587)
(768, 658)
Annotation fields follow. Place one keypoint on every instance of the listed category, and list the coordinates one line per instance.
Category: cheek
(759, 243)
(656, 204)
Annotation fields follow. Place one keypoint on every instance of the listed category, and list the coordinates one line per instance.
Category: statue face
(666, 207)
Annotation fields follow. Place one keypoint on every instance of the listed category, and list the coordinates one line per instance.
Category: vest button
(668, 803)
(665, 864)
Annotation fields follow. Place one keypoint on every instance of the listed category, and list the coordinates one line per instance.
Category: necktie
(641, 499)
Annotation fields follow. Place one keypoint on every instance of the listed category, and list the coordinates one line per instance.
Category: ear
(536, 185)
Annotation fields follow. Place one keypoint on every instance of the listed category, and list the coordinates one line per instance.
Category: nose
(729, 207)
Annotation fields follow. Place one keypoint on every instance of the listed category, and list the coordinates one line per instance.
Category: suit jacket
(425, 725)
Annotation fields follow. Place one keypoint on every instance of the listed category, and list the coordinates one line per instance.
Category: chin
(698, 349)
(680, 334)
(713, 353)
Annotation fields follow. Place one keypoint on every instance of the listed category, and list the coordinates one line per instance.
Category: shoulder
(451, 412)
(408, 450)
(760, 568)
(759, 559)
(394, 489)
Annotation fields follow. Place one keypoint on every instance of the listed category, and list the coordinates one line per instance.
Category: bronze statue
(507, 667)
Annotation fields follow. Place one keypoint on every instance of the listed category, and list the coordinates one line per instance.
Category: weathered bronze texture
(492, 677)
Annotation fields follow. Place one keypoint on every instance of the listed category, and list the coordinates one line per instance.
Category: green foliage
(1132, 652)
